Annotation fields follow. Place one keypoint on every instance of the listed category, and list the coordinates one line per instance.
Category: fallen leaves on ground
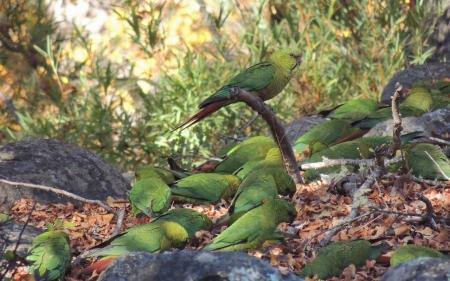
(318, 209)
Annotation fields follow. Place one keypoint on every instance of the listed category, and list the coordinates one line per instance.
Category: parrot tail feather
(202, 114)
(98, 266)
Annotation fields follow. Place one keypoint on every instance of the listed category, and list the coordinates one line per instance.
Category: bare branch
(276, 129)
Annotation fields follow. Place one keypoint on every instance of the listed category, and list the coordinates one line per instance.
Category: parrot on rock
(50, 252)
(353, 110)
(205, 188)
(265, 80)
(251, 230)
(328, 132)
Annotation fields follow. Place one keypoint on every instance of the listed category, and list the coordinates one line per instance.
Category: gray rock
(421, 269)
(192, 265)
(434, 123)
(9, 233)
(298, 127)
(57, 164)
(407, 77)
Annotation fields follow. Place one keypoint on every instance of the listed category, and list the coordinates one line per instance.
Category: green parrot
(149, 196)
(328, 131)
(265, 80)
(252, 148)
(205, 189)
(417, 103)
(332, 259)
(51, 254)
(353, 110)
(362, 147)
(410, 252)
(273, 164)
(257, 188)
(317, 150)
(423, 166)
(251, 230)
(153, 237)
(190, 219)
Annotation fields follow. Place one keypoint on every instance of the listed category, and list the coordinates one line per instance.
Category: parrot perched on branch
(51, 254)
(265, 80)
(251, 230)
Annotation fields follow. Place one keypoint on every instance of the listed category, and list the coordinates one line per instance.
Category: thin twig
(346, 221)
(68, 194)
(197, 156)
(397, 120)
(439, 140)
(437, 165)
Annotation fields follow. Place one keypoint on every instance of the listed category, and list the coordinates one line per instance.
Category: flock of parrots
(252, 175)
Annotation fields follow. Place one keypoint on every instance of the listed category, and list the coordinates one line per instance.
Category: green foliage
(351, 49)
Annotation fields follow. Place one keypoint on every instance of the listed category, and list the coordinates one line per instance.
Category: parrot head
(207, 223)
(146, 171)
(286, 58)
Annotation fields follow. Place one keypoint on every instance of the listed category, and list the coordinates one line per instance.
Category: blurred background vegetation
(118, 92)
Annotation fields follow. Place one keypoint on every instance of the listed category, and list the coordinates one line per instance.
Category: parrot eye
(292, 55)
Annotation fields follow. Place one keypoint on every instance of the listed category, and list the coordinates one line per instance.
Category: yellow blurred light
(80, 54)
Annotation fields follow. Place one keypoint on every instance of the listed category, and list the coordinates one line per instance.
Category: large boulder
(57, 164)
(421, 269)
(192, 265)
(407, 77)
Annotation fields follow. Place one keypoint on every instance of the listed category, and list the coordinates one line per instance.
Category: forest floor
(319, 210)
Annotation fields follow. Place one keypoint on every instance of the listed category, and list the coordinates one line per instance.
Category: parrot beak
(298, 59)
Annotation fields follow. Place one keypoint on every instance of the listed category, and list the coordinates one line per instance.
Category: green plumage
(252, 148)
(190, 219)
(354, 110)
(153, 237)
(273, 164)
(265, 80)
(251, 230)
(205, 189)
(319, 150)
(332, 259)
(421, 164)
(410, 252)
(150, 195)
(51, 254)
(417, 103)
(256, 188)
(328, 132)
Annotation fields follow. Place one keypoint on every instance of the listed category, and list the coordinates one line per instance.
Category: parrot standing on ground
(254, 148)
(423, 166)
(251, 230)
(149, 196)
(410, 252)
(205, 189)
(170, 230)
(265, 80)
(51, 254)
(334, 258)
(353, 110)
